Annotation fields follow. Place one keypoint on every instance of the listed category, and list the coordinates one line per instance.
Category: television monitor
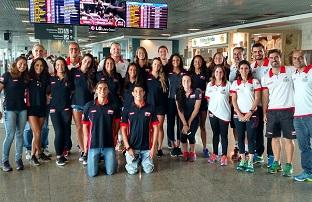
(103, 13)
(54, 11)
(147, 15)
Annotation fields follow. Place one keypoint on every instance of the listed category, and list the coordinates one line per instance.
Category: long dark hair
(213, 64)
(127, 76)
(146, 65)
(66, 73)
(105, 73)
(238, 75)
(203, 68)
(91, 71)
(213, 78)
(15, 73)
(44, 75)
(161, 75)
(180, 95)
(170, 66)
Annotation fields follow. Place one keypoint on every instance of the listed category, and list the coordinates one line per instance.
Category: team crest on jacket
(147, 113)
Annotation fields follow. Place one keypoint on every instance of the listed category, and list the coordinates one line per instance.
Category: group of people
(118, 101)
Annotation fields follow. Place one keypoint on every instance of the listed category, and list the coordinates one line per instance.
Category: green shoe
(241, 165)
(276, 167)
(250, 167)
(288, 170)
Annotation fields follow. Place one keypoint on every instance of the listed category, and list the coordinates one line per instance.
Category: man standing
(278, 105)
(74, 57)
(260, 67)
(163, 55)
(139, 127)
(302, 79)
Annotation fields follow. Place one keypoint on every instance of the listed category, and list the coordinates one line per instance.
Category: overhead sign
(210, 40)
(54, 32)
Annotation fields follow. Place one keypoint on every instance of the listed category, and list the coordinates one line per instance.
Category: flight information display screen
(146, 15)
(54, 11)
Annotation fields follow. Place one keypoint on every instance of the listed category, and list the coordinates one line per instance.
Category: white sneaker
(46, 152)
(28, 154)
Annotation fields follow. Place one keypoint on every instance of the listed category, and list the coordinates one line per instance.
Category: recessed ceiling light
(29, 28)
(193, 29)
(92, 36)
(103, 32)
(165, 34)
(30, 33)
(22, 9)
(25, 21)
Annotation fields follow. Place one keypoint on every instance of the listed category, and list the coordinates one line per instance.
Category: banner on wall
(212, 40)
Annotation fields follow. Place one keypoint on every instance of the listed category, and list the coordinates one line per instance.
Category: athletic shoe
(185, 156)
(288, 170)
(257, 159)
(224, 160)
(249, 166)
(276, 167)
(60, 161)
(192, 156)
(160, 153)
(270, 160)
(212, 158)
(206, 153)
(43, 157)
(81, 156)
(34, 160)
(179, 151)
(241, 165)
(235, 156)
(66, 152)
(47, 152)
(304, 176)
(19, 164)
(85, 160)
(173, 152)
(28, 155)
(6, 167)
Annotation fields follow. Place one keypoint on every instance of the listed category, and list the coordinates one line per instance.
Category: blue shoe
(206, 153)
(257, 159)
(270, 160)
(304, 176)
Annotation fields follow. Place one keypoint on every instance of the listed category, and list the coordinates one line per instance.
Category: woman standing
(218, 95)
(246, 95)
(188, 105)
(83, 82)
(14, 84)
(141, 59)
(37, 106)
(156, 91)
(176, 72)
(200, 76)
(59, 91)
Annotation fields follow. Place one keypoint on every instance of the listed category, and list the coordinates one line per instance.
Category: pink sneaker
(224, 160)
(192, 156)
(212, 158)
(185, 156)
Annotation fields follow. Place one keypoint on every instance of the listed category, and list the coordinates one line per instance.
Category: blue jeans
(44, 134)
(110, 161)
(14, 123)
(143, 157)
(303, 127)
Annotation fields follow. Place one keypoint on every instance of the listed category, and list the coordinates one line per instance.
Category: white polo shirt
(281, 88)
(219, 100)
(259, 71)
(245, 93)
(303, 92)
(233, 71)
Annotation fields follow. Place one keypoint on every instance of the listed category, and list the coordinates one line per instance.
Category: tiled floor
(173, 180)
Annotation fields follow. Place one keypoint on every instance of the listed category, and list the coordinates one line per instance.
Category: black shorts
(37, 111)
(280, 121)
(203, 105)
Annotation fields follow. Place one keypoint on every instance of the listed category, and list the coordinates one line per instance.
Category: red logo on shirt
(110, 111)
(52, 110)
(93, 111)
(53, 82)
(147, 113)
(131, 113)
(15, 80)
(77, 75)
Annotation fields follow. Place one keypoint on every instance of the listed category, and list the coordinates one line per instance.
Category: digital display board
(101, 13)
(54, 11)
(146, 15)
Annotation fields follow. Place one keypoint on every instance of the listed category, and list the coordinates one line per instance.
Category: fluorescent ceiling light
(103, 32)
(92, 36)
(22, 9)
(193, 29)
(25, 21)
(165, 34)
(30, 33)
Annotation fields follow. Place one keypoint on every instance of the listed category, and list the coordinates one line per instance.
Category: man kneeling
(139, 139)
(99, 119)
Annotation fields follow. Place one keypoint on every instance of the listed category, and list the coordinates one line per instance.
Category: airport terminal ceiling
(183, 15)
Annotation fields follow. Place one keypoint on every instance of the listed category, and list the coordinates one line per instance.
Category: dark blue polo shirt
(60, 91)
(139, 122)
(190, 103)
(100, 119)
(127, 95)
(155, 94)
(174, 83)
(37, 92)
(81, 93)
(14, 92)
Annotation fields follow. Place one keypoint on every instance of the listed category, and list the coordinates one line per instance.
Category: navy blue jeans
(303, 127)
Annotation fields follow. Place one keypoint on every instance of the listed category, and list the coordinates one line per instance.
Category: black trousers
(219, 128)
(61, 121)
(260, 136)
(172, 119)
